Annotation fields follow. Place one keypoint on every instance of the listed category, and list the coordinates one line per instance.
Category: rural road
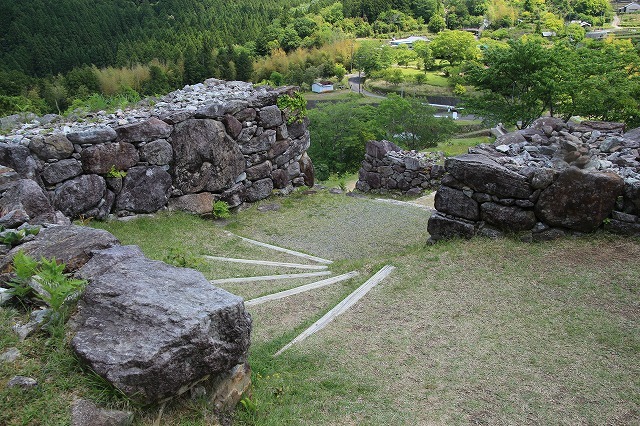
(355, 83)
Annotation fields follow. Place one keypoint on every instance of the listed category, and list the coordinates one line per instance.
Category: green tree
(517, 82)
(394, 76)
(372, 56)
(411, 123)
(436, 23)
(454, 46)
(423, 50)
(339, 132)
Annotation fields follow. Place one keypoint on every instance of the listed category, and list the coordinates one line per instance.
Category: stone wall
(212, 141)
(386, 167)
(549, 180)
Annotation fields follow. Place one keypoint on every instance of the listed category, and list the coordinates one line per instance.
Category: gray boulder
(306, 168)
(71, 245)
(508, 218)
(201, 203)
(579, 200)
(144, 190)
(144, 131)
(152, 329)
(441, 227)
(259, 171)
(263, 142)
(92, 135)
(26, 195)
(157, 153)
(60, 171)
(260, 190)
(485, 175)
(86, 413)
(456, 203)
(206, 159)
(101, 158)
(55, 146)
(7, 175)
(270, 116)
(18, 158)
(78, 195)
(378, 149)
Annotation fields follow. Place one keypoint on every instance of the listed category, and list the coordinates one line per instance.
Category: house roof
(409, 40)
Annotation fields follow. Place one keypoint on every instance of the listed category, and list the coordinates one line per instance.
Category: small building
(548, 34)
(597, 35)
(322, 87)
(631, 7)
(408, 41)
(583, 24)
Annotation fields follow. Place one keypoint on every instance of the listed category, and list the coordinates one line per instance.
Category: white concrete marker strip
(341, 307)
(403, 203)
(266, 263)
(300, 289)
(284, 250)
(270, 277)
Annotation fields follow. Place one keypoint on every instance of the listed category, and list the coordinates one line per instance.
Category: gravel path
(340, 227)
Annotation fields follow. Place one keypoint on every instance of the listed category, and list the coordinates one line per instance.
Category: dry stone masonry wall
(211, 141)
(545, 181)
(386, 167)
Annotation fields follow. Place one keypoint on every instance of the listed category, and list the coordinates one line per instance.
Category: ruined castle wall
(549, 180)
(211, 141)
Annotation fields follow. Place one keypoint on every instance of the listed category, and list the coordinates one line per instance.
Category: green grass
(463, 332)
(459, 146)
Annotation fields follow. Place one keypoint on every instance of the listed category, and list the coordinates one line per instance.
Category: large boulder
(260, 190)
(19, 158)
(72, 245)
(206, 158)
(60, 171)
(25, 195)
(144, 131)
(306, 168)
(92, 135)
(508, 218)
(144, 190)
(152, 329)
(100, 159)
(483, 174)
(157, 153)
(456, 203)
(441, 227)
(55, 146)
(579, 200)
(193, 203)
(79, 195)
(379, 149)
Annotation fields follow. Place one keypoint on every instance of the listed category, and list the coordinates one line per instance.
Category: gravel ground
(338, 227)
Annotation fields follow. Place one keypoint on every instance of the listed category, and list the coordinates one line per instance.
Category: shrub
(220, 210)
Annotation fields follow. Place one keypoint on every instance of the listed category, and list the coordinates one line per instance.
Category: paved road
(357, 86)
(355, 83)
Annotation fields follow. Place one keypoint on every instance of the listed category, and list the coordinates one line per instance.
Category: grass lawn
(463, 332)
(459, 146)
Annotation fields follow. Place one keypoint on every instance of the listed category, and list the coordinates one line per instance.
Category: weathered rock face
(194, 203)
(79, 195)
(386, 167)
(549, 180)
(55, 146)
(215, 138)
(483, 174)
(144, 190)
(99, 159)
(26, 197)
(71, 245)
(207, 159)
(579, 200)
(152, 329)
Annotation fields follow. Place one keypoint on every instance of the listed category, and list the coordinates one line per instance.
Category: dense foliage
(521, 80)
(340, 130)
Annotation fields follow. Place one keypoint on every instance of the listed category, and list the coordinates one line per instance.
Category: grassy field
(457, 146)
(463, 332)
